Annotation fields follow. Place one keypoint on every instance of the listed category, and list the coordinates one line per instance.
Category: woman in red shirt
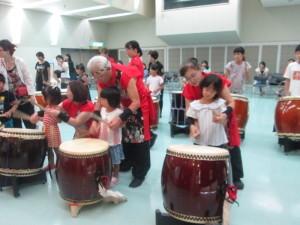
(192, 91)
(76, 110)
(134, 51)
(137, 103)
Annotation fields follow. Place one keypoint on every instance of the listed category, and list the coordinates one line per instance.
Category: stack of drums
(241, 110)
(82, 165)
(40, 98)
(177, 120)
(22, 152)
(155, 100)
(287, 121)
(194, 180)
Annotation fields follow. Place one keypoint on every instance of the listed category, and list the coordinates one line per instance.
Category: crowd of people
(125, 103)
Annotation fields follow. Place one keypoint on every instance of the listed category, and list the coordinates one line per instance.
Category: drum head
(22, 133)
(84, 146)
(198, 152)
(240, 97)
(289, 98)
(38, 93)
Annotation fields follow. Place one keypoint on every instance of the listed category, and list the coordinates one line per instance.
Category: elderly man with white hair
(138, 107)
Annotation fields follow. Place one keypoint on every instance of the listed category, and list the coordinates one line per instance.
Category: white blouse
(211, 133)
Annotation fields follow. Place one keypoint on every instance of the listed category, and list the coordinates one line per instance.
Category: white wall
(201, 19)
(36, 30)
(278, 24)
(141, 30)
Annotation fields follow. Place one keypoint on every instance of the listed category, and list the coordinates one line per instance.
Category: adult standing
(153, 59)
(83, 77)
(19, 81)
(63, 67)
(137, 104)
(42, 68)
(72, 71)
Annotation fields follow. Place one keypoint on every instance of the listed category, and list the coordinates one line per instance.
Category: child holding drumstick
(204, 114)
(52, 97)
(110, 102)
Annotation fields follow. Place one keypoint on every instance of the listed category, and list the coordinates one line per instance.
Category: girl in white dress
(208, 127)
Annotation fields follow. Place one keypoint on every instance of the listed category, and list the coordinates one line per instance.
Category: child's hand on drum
(194, 131)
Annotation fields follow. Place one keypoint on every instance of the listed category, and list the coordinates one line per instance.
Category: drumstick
(20, 115)
(98, 118)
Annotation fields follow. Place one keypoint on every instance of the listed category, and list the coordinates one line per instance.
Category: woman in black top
(83, 77)
(42, 68)
(72, 70)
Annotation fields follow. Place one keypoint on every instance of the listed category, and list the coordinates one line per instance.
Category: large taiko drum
(177, 118)
(194, 180)
(241, 110)
(287, 117)
(157, 109)
(82, 165)
(22, 152)
(40, 98)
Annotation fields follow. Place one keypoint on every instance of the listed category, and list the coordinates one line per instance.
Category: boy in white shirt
(292, 75)
(154, 82)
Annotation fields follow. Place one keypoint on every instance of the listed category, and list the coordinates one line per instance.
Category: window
(174, 4)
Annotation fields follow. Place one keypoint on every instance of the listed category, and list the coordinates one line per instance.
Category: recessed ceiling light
(85, 9)
(110, 16)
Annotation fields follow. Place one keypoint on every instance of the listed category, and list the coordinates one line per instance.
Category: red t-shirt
(137, 62)
(191, 92)
(129, 72)
(73, 109)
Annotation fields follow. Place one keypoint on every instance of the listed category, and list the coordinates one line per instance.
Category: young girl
(52, 97)
(110, 102)
(206, 111)
(134, 51)
(238, 70)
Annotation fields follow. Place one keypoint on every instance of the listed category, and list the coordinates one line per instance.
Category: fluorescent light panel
(111, 16)
(85, 9)
(38, 3)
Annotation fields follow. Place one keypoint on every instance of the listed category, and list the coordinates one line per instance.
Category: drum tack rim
(20, 172)
(193, 219)
(22, 133)
(287, 98)
(240, 97)
(194, 152)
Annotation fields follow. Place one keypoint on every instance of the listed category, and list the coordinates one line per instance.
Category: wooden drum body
(82, 165)
(287, 118)
(194, 180)
(157, 110)
(241, 110)
(40, 98)
(177, 108)
(22, 152)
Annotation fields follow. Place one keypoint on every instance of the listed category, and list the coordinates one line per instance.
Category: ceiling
(91, 9)
(277, 3)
